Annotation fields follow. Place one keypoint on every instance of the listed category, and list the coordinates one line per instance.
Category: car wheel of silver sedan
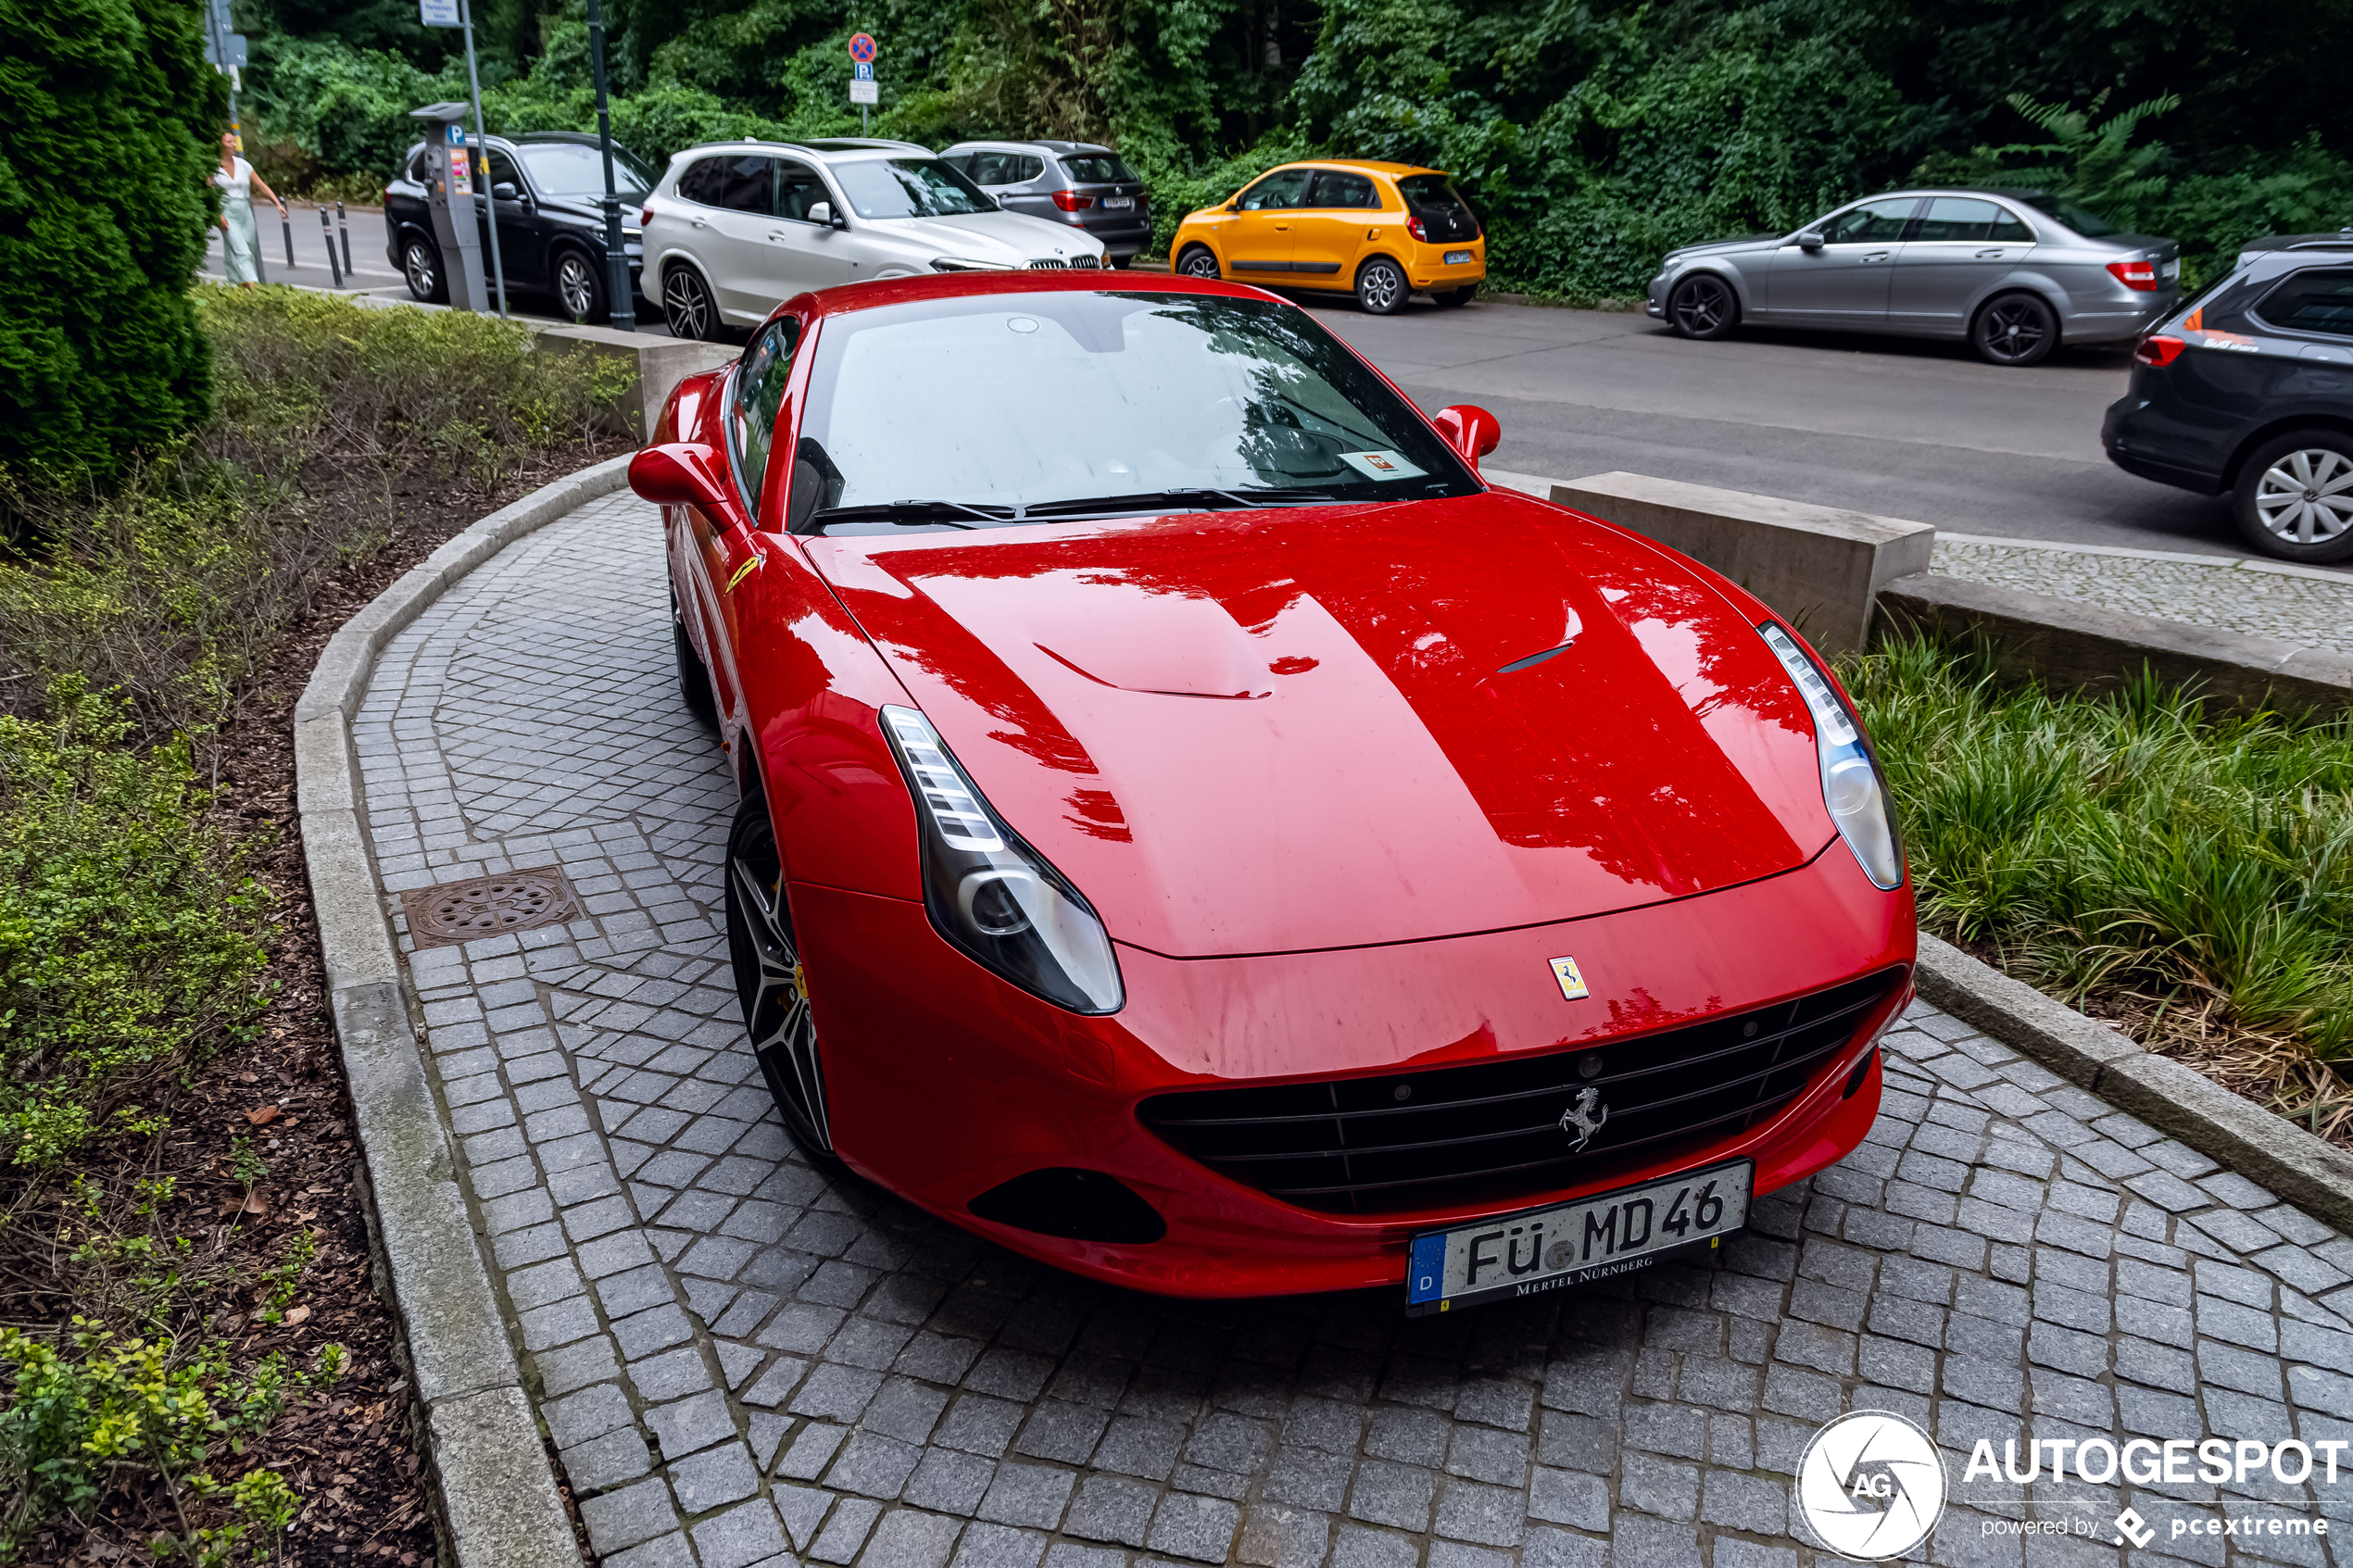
(686, 309)
(1381, 287)
(1198, 261)
(2016, 329)
(2295, 497)
(771, 984)
(1704, 308)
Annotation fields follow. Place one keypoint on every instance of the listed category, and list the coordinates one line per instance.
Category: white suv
(734, 228)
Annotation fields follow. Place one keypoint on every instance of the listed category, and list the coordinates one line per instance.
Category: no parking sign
(861, 47)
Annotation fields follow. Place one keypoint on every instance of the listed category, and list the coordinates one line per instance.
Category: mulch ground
(348, 1450)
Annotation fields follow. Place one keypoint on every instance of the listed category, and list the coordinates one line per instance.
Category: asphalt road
(1888, 425)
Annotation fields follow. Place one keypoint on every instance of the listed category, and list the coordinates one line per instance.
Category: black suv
(2250, 390)
(549, 189)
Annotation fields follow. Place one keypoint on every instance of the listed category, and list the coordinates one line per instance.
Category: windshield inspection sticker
(1381, 465)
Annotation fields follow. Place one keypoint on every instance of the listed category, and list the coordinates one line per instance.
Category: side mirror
(685, 473)
(823, 212)
(505, 190)
(1233, 206)
(1810, 240)
(1472, 431)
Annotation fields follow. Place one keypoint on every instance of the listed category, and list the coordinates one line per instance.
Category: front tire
(580, 286)
(1704, 308)
(1198, 261)
(687, 305)
(421, 266)
(771, 986)
(2294, 499)
(1381, 287)
(2016, 330)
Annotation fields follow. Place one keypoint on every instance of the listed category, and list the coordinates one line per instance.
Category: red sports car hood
(1278, 730)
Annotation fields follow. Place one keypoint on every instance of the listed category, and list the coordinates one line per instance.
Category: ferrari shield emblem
(1572, 982)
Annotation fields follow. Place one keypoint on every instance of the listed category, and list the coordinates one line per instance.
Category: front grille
(1056, 264)
(1491, 1130)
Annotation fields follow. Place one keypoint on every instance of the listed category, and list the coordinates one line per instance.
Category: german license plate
(1611, 1233)
(1119, 200)
(1458, 258)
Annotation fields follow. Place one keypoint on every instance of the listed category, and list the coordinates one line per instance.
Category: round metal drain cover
(490, 906)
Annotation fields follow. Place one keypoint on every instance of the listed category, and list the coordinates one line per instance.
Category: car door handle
(698, 223)
(1875, 256)
(1991, 255)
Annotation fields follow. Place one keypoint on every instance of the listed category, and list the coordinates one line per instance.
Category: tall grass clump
(2191, 872)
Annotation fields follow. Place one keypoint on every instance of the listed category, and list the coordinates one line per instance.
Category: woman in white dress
(240, 240)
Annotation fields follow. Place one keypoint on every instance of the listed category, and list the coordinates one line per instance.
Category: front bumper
(944, 1083)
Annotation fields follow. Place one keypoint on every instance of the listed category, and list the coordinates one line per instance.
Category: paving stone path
(740, 1362)
(2307, 606)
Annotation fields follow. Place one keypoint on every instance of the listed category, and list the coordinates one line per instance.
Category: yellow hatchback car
(1377, 229)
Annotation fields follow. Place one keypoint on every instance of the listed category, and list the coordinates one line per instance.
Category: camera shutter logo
(1871, 1485)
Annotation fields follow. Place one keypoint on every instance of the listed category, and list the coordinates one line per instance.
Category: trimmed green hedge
(103, 212)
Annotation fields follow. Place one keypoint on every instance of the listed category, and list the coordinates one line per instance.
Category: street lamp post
(617, 291)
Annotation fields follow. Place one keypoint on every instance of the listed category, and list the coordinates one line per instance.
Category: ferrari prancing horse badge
(1572, 982)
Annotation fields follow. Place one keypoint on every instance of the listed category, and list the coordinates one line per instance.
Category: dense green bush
(2127, 845)
(130, 935)
(103, 207)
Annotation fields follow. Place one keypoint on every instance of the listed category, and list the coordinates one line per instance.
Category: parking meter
(450, 181)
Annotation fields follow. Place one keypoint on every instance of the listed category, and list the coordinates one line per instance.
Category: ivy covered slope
(103, 214)
(1592, 134)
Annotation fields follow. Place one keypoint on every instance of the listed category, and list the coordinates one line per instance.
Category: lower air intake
(1075, 1205)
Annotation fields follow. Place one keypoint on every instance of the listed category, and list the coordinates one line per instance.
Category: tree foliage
(103, 213)
(1592, 135)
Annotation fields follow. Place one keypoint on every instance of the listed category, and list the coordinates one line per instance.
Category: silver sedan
(2015, 274)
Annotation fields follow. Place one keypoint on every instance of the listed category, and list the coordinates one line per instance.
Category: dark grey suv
(1074, 182)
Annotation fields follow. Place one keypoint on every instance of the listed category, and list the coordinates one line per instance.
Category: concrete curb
(2170, 1095)
(499, 1504)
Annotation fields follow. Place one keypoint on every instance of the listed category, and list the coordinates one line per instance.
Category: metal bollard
(286, 221)
(327, 232)
(343, 224)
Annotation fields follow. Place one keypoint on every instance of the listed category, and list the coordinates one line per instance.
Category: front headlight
(990, 893)
(964, 264)
(1852, 787)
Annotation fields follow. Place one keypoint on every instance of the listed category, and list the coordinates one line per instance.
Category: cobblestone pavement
(2306, 606)
(740, 1362)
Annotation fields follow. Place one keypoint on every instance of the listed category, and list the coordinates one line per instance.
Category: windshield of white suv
(1030, 407)
(909, 187)
(573, 171)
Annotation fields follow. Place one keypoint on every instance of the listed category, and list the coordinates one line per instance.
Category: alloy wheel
(1702, 307)
(771, 983)
(2305, 496)
(2013, 331)
(1380, 288)
(577, 287)
(685, 305)
(1198, 263)
(418, 262)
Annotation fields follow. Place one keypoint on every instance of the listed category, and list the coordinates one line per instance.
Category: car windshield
(909, 187)
(1098, 169)
(2091, 225)
(1012, 402)
(573, 170)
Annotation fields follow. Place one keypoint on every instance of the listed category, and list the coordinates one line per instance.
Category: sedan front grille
(1493, 1130)
(1056, 264)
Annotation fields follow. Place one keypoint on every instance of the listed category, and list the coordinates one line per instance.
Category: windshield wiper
(914, 514)
(1148, 500)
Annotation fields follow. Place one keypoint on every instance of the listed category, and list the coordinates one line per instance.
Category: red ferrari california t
(1196, 832)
